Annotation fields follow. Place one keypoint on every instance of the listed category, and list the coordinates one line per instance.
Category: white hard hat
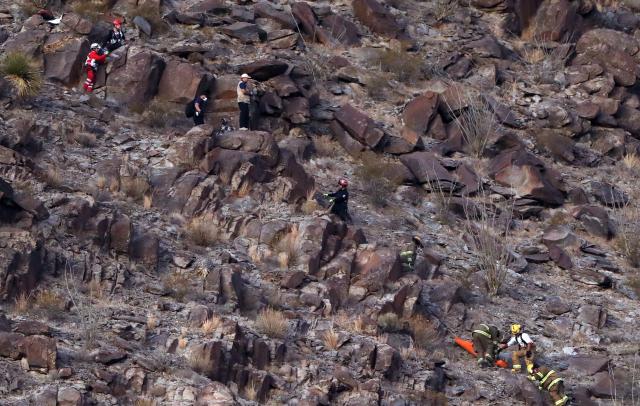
(244, 75)
(95, 45)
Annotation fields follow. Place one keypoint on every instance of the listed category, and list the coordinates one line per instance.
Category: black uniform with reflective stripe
(340, 204)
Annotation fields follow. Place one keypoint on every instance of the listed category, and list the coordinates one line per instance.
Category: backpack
(190, 109)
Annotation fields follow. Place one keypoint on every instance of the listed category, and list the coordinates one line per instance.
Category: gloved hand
(531, 378)
(325, 194)
(197, 113)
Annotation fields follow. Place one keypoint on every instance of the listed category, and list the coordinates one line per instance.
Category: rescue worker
(96, 57)
(526, 348)
(244, 99)
(409, 255)
(548, 380)
(340, 200)
(200, 106)
(486, 340)
(116, 37)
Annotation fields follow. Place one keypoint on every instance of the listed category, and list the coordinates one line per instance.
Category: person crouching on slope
(95, 58)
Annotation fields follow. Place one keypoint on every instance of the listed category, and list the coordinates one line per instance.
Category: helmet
(95, 46)
(417, 240)
(117, 22)
(343, 182)
(515, 328)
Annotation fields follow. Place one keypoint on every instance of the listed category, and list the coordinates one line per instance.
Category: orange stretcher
(468, 346)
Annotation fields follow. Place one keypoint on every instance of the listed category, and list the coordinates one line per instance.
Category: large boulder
(427, 169)
(417, 116)
(266, 9)
(22, 263)
(136, 82)
(63, 57)
(258, 142)
(342, 30)
(554, 20)
(181, 81)
(41, 352)
(245, 32)
(360, 126)
(615, 51)
(378, 19)
(264, 69)
(527, 175)
(28, 42)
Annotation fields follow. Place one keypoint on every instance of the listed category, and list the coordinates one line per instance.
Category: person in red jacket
(96, 57)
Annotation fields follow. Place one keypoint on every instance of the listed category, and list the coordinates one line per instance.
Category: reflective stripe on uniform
(554, 382)
(484, 333)
(547, 376)
(517, 366)
(406, 253)
(562, 401)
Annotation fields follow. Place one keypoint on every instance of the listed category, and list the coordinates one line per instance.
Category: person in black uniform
(116, 36)
(200, 106)
(340, 200)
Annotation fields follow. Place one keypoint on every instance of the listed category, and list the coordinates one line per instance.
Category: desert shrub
(134, 187)
(152, 321)
(211, 324)
(378, 86)
(52, 176)
(91, 9)
(631, 161)
(179, 283)
(202, 231)
(30, 7)
(542, 60)
(145, 402)
(152, 14)
(287, 249)
(626, 240)
(443, 9)
(425, 333)
(375, 176)
(272, 323)
(49, 304)
(21, 72)
(84, 139)
(21, 304)
(389, 322)
(476, 121)
(325, 146)
(331, 339)
(160, 114)
(403, 65)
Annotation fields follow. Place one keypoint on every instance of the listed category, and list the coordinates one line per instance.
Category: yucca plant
(20, 71)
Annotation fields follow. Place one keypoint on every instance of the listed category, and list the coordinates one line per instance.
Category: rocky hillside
(146, 262)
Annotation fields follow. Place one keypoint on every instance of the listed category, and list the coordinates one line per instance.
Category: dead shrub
(443, 9)
(272, 323)
(49, 304)
(403, 65)
(251, 392)
(161, 114)
(287, 249)
(631, 161)
(389, 322)
(52, 176)
(199, 364)
(145, 402)
(325, 146)
(476, 121)
(211, 324)
(21, 303)
(84, 139)
(374, 175)
(152, 322)
(331, 339)
(30, 7)
(152, 14)
(92, 10)
(378, 86)
(134, 187)
(202, 231)
(182, 342)
(425, 333)
(626, 240)
(309, 206)
(542, 59)
(179, 283)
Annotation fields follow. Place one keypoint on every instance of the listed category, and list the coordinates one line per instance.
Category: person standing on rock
(96, 57)
(244, 99)
(199, 107)
(410, 253)
(340, 200)
(116, 37)
(548, 380)
(486, 339)
(526, 348)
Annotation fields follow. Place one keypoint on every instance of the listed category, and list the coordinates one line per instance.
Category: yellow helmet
(515, 328)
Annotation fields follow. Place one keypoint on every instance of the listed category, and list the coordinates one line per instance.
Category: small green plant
(20, 71)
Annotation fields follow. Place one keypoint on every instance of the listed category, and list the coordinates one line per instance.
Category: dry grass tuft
(21, 304)
(179, 283)
(378, 86)
(202, 231)
(287, 249)
(251, 392)
(272, 323)
(49, 304)
(182, 343)
(375, 176)
(101, 182)
(95, 290)
(152, 14)
(21, 72)
(145, 402)
(325, 146)
(626, 240)
(84, 139)
(199, 364)
(403, 65)
(159, 114)
(389, 322)
(30, 7)
(211, 324)
(331, 339)
(631, 161)
(309, 206)
(425, 333)
(443, 9)
(134, 187)
(92, 10)
(152, 322)
(52, 177)
(147, 201)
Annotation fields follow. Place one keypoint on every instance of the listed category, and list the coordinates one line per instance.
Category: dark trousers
(199, 119)
(244, 114)
(343, 213)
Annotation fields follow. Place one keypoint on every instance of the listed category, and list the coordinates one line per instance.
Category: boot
(516, 368)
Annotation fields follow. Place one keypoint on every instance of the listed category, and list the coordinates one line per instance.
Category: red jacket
(94, 58)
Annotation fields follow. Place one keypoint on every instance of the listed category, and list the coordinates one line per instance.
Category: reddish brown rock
(181, 81)
(264, 69)
(427, 169)
(417, 116)
(32, 327)
(596, 220)
(64, 56)
(11, 345)
(41, 352)
(615, 51)
(553, 20)
(343, 30)
(378, 19)
(246, 32)
(266, 10)
(137, 80)
(120, 233)
(359, 125)
(590, 365)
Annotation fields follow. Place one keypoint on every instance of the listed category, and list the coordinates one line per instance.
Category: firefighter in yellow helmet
(526, 348)
(410, 253)
(548, 380)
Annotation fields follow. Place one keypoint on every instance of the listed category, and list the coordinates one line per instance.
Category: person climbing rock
(116, 37)
(526, 348)
(548, 380)
(410, 253)
(244, 99)
(340, 201)
(486, 340)
(199, 107)
(96, 57)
